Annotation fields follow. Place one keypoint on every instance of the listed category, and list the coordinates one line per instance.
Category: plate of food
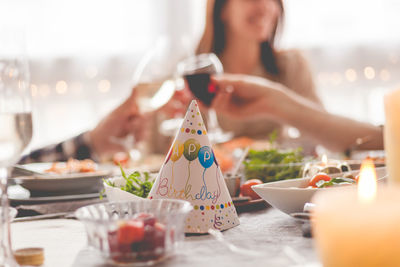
(289, 196)
(71, 177)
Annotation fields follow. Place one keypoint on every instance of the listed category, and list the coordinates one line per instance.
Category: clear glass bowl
(135, 233)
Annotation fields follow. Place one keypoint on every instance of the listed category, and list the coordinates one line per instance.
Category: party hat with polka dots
(191, 172)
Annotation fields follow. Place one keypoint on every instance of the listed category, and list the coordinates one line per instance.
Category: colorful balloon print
(177, 150)
(191, 149)
(206, 156)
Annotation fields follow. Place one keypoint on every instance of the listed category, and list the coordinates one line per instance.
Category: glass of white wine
(153, 88)
(15, 124)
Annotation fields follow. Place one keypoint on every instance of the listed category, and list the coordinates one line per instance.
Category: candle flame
(324, 160)
(367, 183)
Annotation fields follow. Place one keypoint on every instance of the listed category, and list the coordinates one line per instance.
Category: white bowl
(289, 196)
(115, 194)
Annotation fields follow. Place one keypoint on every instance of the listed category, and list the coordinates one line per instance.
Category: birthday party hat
(191, 172)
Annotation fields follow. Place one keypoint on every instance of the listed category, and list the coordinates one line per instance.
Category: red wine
(202, 87)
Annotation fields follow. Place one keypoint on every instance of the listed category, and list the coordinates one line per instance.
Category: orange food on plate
(225, 160)
(72, 166)
(247, 191)
(240, 142)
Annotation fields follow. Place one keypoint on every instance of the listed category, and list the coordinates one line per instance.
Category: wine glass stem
(213, 120)
(6, 254)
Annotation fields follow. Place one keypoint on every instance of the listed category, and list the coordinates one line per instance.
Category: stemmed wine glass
(153, 88)
(197, 71)
(15, 125)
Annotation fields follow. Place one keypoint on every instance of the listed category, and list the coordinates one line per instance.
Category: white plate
(41, 200)
(73, 183)
(289, 196)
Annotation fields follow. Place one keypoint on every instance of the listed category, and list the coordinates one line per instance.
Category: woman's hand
(242, 96)
(123, 121)
(178, 103)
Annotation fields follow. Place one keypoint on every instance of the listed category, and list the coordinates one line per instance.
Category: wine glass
(197, 71)
(15, 125)
(153, 88)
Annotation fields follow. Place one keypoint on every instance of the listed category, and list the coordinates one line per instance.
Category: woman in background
(242, 34)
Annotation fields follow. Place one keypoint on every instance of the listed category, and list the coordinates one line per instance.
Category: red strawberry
(130, 232)
(159, 237)
(148, 219)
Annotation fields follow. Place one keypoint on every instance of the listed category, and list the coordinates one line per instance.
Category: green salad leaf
(135, 183)
(335, 181)
(273, 165)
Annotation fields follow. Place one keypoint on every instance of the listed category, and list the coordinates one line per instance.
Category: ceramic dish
(71, 183)
(289, 196)
(42, 200)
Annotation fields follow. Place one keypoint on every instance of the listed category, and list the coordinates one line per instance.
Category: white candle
(392, 135)
(358, 227)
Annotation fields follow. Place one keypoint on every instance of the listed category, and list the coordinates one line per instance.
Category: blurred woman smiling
(242, 34)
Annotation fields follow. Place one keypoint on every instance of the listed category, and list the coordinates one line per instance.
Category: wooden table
(275, 237)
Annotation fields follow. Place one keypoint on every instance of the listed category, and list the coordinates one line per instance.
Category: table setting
(134, 224)
(212, 199)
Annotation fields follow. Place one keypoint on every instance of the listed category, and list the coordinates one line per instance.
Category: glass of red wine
(197, 71)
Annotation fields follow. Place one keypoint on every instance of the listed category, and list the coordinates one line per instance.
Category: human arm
(99, 142)
(77, 147)
(249, 96)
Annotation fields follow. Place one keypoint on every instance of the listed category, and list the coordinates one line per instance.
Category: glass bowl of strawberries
(136, 233)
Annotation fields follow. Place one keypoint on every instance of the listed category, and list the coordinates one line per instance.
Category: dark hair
(268, 57)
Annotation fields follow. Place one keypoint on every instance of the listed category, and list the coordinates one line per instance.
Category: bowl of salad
(290, 196)
(134, 186)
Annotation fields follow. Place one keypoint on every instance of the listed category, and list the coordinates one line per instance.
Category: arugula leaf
(273, 136)
(336, 181)
(134, 183)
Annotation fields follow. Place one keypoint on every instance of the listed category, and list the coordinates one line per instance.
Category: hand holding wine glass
(152, 89)
(15, 123)
(197, 71)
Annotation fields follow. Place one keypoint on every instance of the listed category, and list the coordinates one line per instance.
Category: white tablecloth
(276, 236)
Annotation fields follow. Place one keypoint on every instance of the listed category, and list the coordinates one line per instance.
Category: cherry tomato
(318, 177)
(246, 190)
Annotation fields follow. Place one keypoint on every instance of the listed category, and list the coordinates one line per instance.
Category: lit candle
(358, 226)
(392, 135)
(324, 160)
